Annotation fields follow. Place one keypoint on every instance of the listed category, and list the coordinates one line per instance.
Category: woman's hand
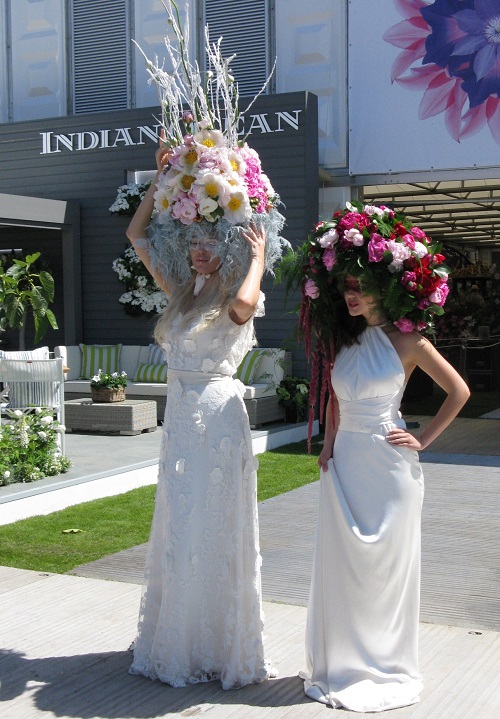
(403, 438)
(325, 455)
(256, 238)
(163, 153)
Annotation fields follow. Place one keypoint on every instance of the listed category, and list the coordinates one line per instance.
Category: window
(37, 78)
(244, 29)
(100, 55)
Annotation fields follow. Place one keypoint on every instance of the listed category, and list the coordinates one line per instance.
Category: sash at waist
(375, 415)
(204, 378)
(195, 376)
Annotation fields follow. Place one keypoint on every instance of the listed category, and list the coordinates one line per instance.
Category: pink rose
(439, 295)
(400, 253)
(329, 258)
(376, 248)
(311, 289)
(354, 236)
(184, 210)
(409, 279)
(409, 241)
(418, 233)
(328, 239)
(423, 304)
(404, 325)
(421, 325)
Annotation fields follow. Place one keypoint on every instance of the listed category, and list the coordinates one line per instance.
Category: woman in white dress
(207, 229)
(201, 616)
(363, 612)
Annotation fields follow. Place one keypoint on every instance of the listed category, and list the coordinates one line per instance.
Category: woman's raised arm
(245, 302)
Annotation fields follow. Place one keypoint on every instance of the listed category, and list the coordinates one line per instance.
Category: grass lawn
(115, 523)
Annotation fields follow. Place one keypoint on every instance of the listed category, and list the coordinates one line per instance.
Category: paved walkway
(65, 637)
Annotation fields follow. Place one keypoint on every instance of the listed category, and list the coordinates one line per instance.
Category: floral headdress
(393, 260)
(213, 185)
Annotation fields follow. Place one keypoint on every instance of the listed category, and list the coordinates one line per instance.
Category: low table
(132, 416)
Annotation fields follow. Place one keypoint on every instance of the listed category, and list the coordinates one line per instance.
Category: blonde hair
(215, 297)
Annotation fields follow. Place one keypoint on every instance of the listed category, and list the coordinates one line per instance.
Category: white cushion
(254, 391)
(82, 387)
(41, 353)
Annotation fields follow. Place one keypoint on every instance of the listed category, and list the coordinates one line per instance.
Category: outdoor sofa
(261, 372)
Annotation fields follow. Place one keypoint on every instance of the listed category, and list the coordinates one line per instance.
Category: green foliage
(25, 290)
(28, 447)
(294, 392)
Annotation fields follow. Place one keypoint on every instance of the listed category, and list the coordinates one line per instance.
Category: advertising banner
(424, 80)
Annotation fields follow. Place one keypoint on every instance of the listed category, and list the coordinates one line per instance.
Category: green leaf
(47, 282)
(17, 269)
(38, 301)
(30, 259)
(52, 319)
(14, 311)
(41, 326)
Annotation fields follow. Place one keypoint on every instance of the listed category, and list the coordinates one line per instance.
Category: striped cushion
(96, 357)
(156, 354)
(148, 372)
(248, 368)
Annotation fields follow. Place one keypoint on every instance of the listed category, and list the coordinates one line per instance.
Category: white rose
(400, 253)
(420, 250)
(329, 238)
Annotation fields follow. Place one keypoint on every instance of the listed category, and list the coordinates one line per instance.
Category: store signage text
(53, 142)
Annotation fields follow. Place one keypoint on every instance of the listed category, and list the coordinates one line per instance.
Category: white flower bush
(128, 198)
(142, 291)
(29, 448)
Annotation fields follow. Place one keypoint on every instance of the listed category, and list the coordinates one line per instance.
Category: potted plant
(108, 387)
(25, 290)
(293, 393)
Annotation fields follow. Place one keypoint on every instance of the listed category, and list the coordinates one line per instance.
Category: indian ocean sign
(424, 79)
(101, 139)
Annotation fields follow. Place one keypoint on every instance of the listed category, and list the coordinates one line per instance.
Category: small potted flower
(108, 387)
(293, 393)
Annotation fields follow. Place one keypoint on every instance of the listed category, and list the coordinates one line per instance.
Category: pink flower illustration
(450, 51)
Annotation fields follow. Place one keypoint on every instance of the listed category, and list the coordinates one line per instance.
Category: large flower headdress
(394, 261)
(214, 184)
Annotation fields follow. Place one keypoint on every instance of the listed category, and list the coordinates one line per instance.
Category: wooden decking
(65, 655)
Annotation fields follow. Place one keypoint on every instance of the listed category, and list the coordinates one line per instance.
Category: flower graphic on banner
(451, 49)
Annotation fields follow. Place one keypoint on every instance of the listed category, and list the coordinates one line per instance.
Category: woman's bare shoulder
(408, 344)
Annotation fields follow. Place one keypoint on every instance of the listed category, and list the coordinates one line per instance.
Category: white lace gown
(363, 613)
(201, 613)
